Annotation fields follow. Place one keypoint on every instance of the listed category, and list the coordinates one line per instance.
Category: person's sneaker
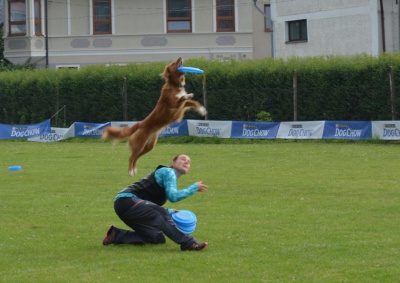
(196, 246)
(109, 238)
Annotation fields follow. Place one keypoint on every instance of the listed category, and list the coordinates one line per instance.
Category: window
(267, 18)
(225, 15)
(17, 17)
(179, 16)
(38, 18)
(298, 30)
(101, 16)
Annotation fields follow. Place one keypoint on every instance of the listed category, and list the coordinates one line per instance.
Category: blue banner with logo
(175, 130)
(24, 131)
(349, 130)
(89, 130)
(254, 130)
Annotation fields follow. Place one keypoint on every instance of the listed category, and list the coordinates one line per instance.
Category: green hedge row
(335, 88)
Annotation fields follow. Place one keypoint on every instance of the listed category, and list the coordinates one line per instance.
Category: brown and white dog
(171, 107)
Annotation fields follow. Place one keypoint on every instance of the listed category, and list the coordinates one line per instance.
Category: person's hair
(174, 159)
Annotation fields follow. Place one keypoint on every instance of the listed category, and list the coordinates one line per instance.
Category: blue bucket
(185, 220)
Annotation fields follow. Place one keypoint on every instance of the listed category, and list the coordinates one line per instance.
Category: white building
(74, 33)
(1, 11)
(334, 27)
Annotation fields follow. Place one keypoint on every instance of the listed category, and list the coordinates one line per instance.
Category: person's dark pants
(150, 223)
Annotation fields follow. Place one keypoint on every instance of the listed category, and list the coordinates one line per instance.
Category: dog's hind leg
(132, 170)
(140, 146)
(136, 143)
(151, 142)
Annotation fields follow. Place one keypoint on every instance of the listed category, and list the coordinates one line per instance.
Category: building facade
(1, 12)
(75, 33)
(335, 27)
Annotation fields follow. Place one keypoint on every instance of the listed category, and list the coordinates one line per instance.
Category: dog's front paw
(188, 95)
(202, 110)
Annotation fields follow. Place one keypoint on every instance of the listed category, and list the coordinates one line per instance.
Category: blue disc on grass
(185, 221)
(15, 168)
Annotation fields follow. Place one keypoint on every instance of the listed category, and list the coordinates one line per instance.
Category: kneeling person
(139, 206)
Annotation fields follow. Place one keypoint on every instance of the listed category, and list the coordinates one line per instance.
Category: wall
(139, 35)
(262, 40)
(391, 11)
(1, 11)
(335, 27)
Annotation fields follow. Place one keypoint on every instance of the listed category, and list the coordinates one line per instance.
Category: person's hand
(202, 187)
(171, 211)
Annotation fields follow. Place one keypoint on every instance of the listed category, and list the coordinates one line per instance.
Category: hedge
(331, 88)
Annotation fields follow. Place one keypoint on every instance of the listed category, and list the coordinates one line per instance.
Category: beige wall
(204, 17)
(262, 43)
(79, 16)
(125, 49)
(58, 18)
(142, 17)
(139, 35)
(244, 18)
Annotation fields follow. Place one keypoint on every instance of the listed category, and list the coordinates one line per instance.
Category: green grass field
(274, 212)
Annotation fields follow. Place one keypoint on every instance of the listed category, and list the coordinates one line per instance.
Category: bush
(334, 88)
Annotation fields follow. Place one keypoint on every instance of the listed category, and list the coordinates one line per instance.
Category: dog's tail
(119, 133)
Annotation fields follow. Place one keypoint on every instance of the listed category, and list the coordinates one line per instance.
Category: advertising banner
(348, 130)
(89, 130)
(254, 130)
(386, 130)
(203, 128)
(301, 130)
(175, 129)
(24, 131)
(56, 134)
(122, 124)
(354, 130)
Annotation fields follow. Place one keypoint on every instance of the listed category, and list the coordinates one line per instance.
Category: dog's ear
(166, 72)
(178, 62)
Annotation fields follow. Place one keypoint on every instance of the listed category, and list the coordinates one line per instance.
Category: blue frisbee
(15, 168)
(185, 221)
(190, 70)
